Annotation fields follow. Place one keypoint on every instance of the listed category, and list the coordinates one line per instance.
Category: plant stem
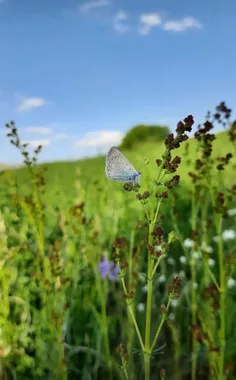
(146, 350)
(163, 318)
(194, 318)
(193, 292)
(222, 300)
(133, 316)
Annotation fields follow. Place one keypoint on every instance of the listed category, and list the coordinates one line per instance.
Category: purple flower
(108, 269)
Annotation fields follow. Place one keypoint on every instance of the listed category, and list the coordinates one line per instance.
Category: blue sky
(76, 75)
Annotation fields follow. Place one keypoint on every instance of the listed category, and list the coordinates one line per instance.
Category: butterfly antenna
(146, 162)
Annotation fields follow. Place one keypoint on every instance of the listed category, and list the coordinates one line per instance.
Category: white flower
(158, 248)
(182, 274)
(183, 259)
(206, 247)
(141, 307)
(171, 261)
(188, 243)
(232, 212)
(174, 302)
(162, 278)
(215, 239)
(228, 235)
(145, 288)
(142, 277)
(211, 262)
(172, 316)
(196, 255)
(231, 283)
(195, 285)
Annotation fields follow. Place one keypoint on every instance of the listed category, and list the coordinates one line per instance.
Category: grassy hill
(63, 172)
(63, 178)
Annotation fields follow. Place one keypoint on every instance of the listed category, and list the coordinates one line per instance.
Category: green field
(59, 319)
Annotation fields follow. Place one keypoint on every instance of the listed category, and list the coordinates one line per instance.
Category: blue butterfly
(118, 168)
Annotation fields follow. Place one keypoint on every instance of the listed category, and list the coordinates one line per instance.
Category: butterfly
(118, 168)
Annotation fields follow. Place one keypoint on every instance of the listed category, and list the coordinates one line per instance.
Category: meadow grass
(60, 319)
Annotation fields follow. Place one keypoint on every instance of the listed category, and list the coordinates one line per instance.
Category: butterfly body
(118, 168)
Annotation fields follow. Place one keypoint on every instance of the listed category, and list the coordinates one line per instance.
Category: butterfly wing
(118, 168)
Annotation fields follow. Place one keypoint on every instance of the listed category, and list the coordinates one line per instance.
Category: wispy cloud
(181, 25)
(100, 139)
(27, 104)
(36, 143)
(119, 23)
(40, 130)
(148, 21)
(89, 5)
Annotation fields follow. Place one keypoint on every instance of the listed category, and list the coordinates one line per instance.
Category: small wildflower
(162, 373)
(120, 242)
(173, 289)
(196, 255)
(162, 278)
(195, 285)
(172, 182)
(228, 235)
(188, 243)
(163, 309)
(215, 239)
(128, 295)
(141, 307)
(172, 316)
(145, 288)
(183, 259)
(211, 262)
(182, 274)
(122, 351)
(158, 248)
(232, 212)
(108, 269)
(163, 194)
(231, 283)
(206, 248)
(171, 261)
(174, 302)
(142, 277)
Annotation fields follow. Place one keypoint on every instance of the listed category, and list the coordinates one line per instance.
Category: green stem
(153, 217)
(130, 319)
(133, 316)
(194, 318)
(193, 291)
(146, 350)
(156, 265)
(213, 277)
(163, 318)
(222, 300)
(103, 299)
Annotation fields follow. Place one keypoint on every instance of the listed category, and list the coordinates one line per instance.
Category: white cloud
(89, 5)
(181, 25)
(42, 130)
(119, 24)
(100, 139)
(61, 136)
(26, 104)
(36, 143)
(148, 21)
